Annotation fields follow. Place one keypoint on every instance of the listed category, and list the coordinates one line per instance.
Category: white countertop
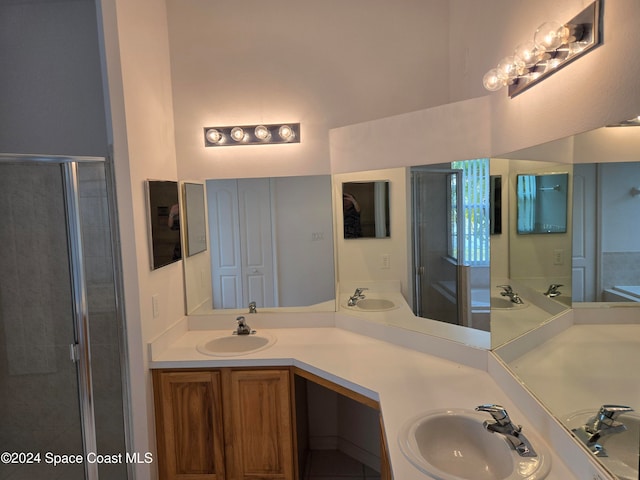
(404, 381)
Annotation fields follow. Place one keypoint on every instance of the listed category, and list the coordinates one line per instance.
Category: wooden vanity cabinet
(224, 424)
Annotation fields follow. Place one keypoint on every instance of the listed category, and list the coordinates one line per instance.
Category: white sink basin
(454, 445)
(621, 448)
(375, 304)
(502, 303)
(233, 345)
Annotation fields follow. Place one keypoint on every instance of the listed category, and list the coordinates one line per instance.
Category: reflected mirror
(163, 220)
(365, 209)
(542, 203)
(523, 267)
(195, 231)
(266, 235)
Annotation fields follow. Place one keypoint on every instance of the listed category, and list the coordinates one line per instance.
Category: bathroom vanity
(395, 377)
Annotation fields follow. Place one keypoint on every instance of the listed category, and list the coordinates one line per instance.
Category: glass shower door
(436, 246)
(60, 392)
(38, 381)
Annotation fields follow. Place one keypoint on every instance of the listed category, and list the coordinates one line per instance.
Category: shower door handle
(74, 352)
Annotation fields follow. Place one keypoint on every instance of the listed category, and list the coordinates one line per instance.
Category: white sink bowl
(502, 303)
(234, 345)
(454, 445)
(621, 448)
(375, 304)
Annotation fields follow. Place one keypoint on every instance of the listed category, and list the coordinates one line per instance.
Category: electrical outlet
(154, 306)
(385, 262)
(317, 236)
(558, 257)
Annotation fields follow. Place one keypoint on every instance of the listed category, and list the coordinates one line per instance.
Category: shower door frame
(418, 269)
(80, 351)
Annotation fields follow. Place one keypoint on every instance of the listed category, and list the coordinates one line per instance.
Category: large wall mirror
(266, 235)
(604, 220)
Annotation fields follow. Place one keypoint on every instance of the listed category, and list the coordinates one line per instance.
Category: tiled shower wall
(620, 268)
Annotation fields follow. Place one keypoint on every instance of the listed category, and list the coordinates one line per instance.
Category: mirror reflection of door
(436, 225)
(450, 210)
(241, 237)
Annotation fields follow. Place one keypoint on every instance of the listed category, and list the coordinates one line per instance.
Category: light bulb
(510, 67)
(237, 134)
(492, 80)
(213, 136)
(550, 36)
(262, 133)
(286, 132)
(528, 53)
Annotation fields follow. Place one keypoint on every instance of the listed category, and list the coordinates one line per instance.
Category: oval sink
(375, 304)
(454, 445)
(504, 304)
(232, 345)
(621, 448)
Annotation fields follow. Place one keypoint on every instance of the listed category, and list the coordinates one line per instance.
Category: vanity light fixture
(553, 46)
(252, 135)
(633, 122)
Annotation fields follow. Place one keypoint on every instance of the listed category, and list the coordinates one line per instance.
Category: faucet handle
(498, 413)
(359, 291)
(506, 288)
(609, 413)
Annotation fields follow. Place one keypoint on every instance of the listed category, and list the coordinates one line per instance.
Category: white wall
(304, 239)
(621, 221)
(323, 64)
(137, 62)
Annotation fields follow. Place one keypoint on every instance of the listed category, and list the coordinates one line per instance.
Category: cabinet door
(259, 434)
(189, 425)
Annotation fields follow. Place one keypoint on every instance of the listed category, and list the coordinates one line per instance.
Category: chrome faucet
(504, 426)
(243, 328)
(252, 307)
(358, 295)
(604, 423)
(508, 292)
(553, 291)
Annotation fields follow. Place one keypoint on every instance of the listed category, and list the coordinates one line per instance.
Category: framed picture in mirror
(195, 225)
(163, 219)
(365, 209)
(542, 203)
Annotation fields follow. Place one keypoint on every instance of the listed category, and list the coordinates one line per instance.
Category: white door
(584, 272)
(224, 232)
(256, 246)
(242, 268)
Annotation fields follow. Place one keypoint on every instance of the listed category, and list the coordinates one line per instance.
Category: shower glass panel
(104, 321)
(436, 243)
(49, 404)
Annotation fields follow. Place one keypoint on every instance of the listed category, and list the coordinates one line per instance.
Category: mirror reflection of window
(365, 209)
